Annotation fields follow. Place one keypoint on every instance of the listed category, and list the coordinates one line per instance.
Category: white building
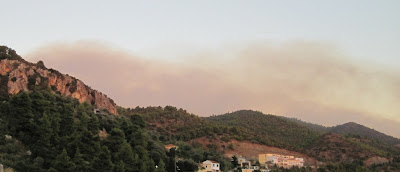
(209, 166)
(243, 162)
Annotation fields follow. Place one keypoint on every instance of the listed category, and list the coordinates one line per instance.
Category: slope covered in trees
(47, 132)
(269, 129)
(352, 128)
(42, 130)
(309, 138)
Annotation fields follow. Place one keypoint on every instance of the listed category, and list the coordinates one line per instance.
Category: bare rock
(19, 72)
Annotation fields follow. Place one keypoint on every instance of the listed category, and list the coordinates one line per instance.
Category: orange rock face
(20, 71)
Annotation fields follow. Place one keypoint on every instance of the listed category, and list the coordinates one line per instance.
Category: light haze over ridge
(324, 62)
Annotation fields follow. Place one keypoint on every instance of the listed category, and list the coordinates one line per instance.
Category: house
(243, 162)
(265, 170)
(285, 161)
(209, 166)
(170, 146)
(255, 167)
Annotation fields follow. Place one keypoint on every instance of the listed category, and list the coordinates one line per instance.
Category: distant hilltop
(19, 75)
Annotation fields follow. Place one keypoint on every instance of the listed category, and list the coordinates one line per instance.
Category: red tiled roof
(170, 145)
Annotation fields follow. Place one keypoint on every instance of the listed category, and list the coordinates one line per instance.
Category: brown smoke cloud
(311, 81)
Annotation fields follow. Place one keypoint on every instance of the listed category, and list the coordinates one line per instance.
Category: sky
(327, 62)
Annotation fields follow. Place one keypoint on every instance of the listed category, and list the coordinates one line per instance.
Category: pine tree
(120, 167)
(160, 166)
(152, 166)
(143, 167)
(93, 124)
(63, 162)
(80, 163)
(137, 162)
(103, 162)
(88, 144)
(55, 127)
(20, 116)
(126, 155)
(116, 139)
(139, 138)
(67, 121)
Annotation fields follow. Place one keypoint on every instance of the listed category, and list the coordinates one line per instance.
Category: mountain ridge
(344, 129)
(359, 129)
(19, 75)
(21, 80)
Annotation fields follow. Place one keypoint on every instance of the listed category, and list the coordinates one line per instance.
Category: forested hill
(177, 124)
(309, 125)
(173, 124)
(350, 128)
(44, 127)
(308, 138)
(43, 131)
(357, 129)
(269, 129)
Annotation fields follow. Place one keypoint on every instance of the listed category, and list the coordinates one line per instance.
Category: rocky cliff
(25, 76)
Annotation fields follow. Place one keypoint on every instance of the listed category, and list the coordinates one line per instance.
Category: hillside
(17, 75)
(43, 131)
(48, 123)
(177, 124)
(336, 148)
(357, 129)
(307, 138)
(249, 150)
(246, 126)
(309, 125)
(269, 129)
(351, 129)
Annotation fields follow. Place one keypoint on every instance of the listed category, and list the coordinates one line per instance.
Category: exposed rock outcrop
(22, 76)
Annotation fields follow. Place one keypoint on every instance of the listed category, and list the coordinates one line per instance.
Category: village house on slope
(209, 166)
(170, 146)
(247, 166)
(284, 161)
(244, 163)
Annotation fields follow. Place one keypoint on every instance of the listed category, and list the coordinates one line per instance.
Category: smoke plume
(312, 81)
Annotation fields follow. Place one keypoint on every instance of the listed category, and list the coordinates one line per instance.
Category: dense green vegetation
(43, 131)
(268, 129)
(309, 125)
(351, 129)
(173, 124)
(8, 53)
(177, 124)
(48, 132)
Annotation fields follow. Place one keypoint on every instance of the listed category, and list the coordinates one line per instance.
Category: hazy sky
(322, 61)
(366, 29)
